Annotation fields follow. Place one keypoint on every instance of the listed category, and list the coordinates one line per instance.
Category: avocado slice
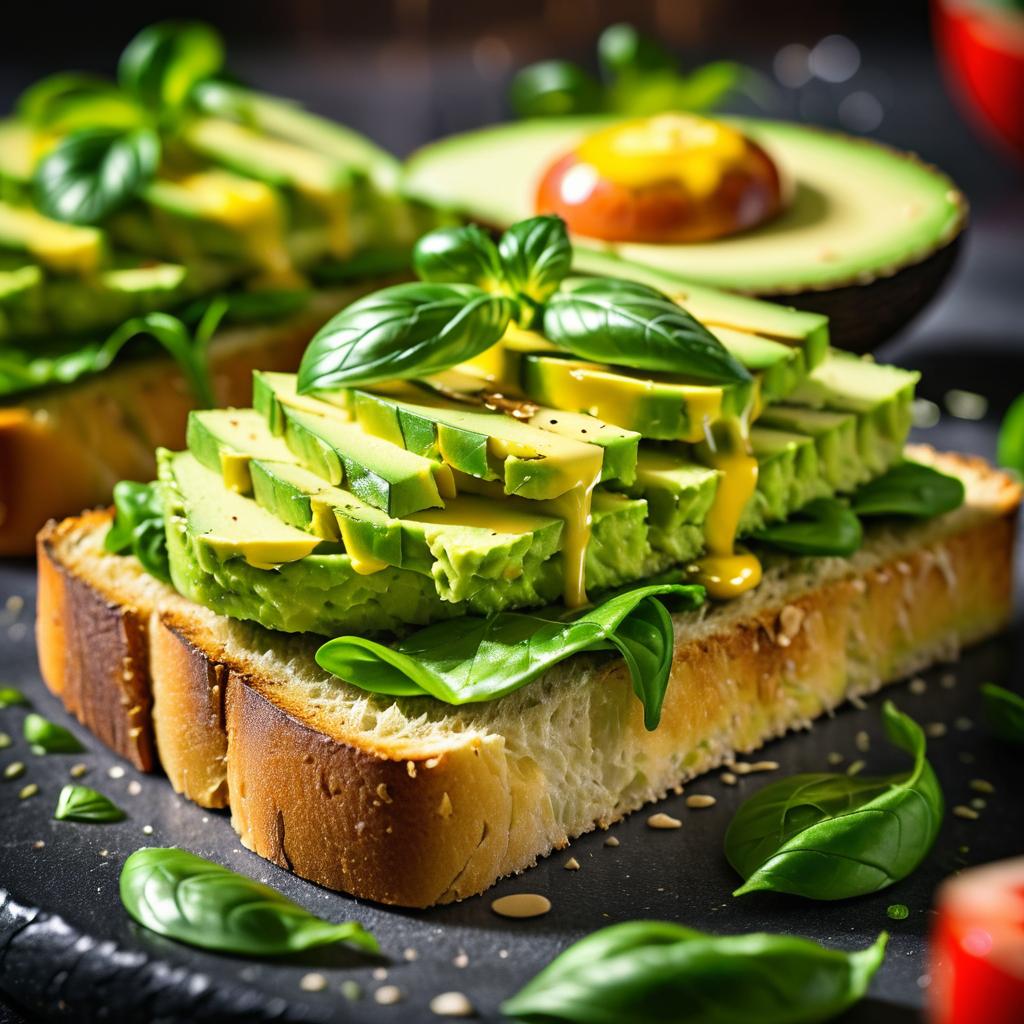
(18, 151)
(61, 248)
(860, 213)
(834, 435)
(788, 476)
(22, 301)
(232, 526)
(226, 441)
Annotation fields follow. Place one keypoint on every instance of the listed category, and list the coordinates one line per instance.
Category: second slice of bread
(413, 802)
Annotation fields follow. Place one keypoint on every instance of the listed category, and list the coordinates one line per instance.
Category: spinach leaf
(825, 526)
(138, 527)
(631, 324)
(1004, 712)
(458, 255)
(622, 50)
(192, 900)
(463, 661)
(1010, 450)
(92, 172)
(68, 101)
(164, 62)
(535, 257)
(654, 972)
(830, 837)
(81, 803)
(407, 330)
(554, 88)
(11, 697)
(909, 489)
(47, 737)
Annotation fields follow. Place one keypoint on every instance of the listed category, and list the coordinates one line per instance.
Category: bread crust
(403, 821)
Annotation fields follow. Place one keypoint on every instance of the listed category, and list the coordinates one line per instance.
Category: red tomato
(977, 950)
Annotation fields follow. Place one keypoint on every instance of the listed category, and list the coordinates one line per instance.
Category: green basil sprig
(407, 330)
(192, 900)
(68, 101)
(463, 661)
(535, 257)
(909, 489)
(640, 77)
(654, 972)
(82, 803)
(825, 526)
(458, 255)
(1010, 450)
(47, 737)
(631, 324)
(11, 697)
(138, 527)
(1004, 712)
(92, 172)
(830, 837)
(163, 63)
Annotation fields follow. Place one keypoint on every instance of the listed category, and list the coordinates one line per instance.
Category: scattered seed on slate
(969, 813)
(662, 820)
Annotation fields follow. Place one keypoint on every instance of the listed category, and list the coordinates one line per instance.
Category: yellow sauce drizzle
(574, 509)
(695, 151)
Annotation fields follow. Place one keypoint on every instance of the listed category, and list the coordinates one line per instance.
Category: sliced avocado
(858, 210)
(788, 476)
(619, 446)
(382, 474)
(530, 462)
(22, 302)
(232, 526)
(834, 435)
(62, 248)
(654, 405)
(779, 367)
(273, 392)
(226, 440)
(18, 151)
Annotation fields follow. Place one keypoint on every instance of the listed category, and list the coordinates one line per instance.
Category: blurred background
(408, 71)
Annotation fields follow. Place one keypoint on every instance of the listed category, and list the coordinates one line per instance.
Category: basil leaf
(192, 900)
(631, 324)
(535, 257)
(909, 489)
(164, 62)
(464, 661)
(407, 330)
(554, 88)
(81, 803)
(622, 50)
(10, 698)
(1010, 450)
(653, 972)
(138, 527)
(825, 526)
(68, 101)
(460, 255)
(1004, 712)
(47, 737)
(173, 335)
(830, 837)
(92, 172)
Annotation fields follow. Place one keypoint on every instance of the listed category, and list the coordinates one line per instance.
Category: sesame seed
(863, 741)
(410, 954)
(461, 959)
(14, 769)
(380, 974)
(699, 800)
(312, 982)
(28, 791)
(572, 864)
(76, 771)
(611, 841)
(918, 686)
(351, 990)
(947, 681)
(134, 787)
(116, 772)
(935, 730)
(728, 778)
(147, 830)
(661, 820)
(966, 812)
(978, 803)
(388, 995)
(982, 786)
(855, 768)
(451, 1004)
(834, 758)
(763, 766)
(5, 741)
(38, 844)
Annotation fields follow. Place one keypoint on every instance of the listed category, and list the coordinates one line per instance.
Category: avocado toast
(514, 553)
(138, 217)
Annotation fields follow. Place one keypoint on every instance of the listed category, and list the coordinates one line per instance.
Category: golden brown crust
(413, 822)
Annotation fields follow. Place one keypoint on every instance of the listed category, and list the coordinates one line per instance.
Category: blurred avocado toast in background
(524, 544)
(165, 207)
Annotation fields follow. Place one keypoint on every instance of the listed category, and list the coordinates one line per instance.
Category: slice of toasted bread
(413, 802)
(64, 447)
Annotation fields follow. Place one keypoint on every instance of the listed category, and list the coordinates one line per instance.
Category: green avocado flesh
(374, 511)
(262, 201)
(858, 210)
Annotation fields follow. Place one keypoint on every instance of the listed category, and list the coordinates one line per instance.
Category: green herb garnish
(1010, 450)
(909, 489)
(192, 900)
(825, 526)
(1004, 712)
(654, 972)
(138, 527)
(11, 697)
(830, 837)
(467, 660)
(631, 324)
(47, 737)
(81, 803)
(897, 912)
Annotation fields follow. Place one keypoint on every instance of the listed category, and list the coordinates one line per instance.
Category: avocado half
(867, 237)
